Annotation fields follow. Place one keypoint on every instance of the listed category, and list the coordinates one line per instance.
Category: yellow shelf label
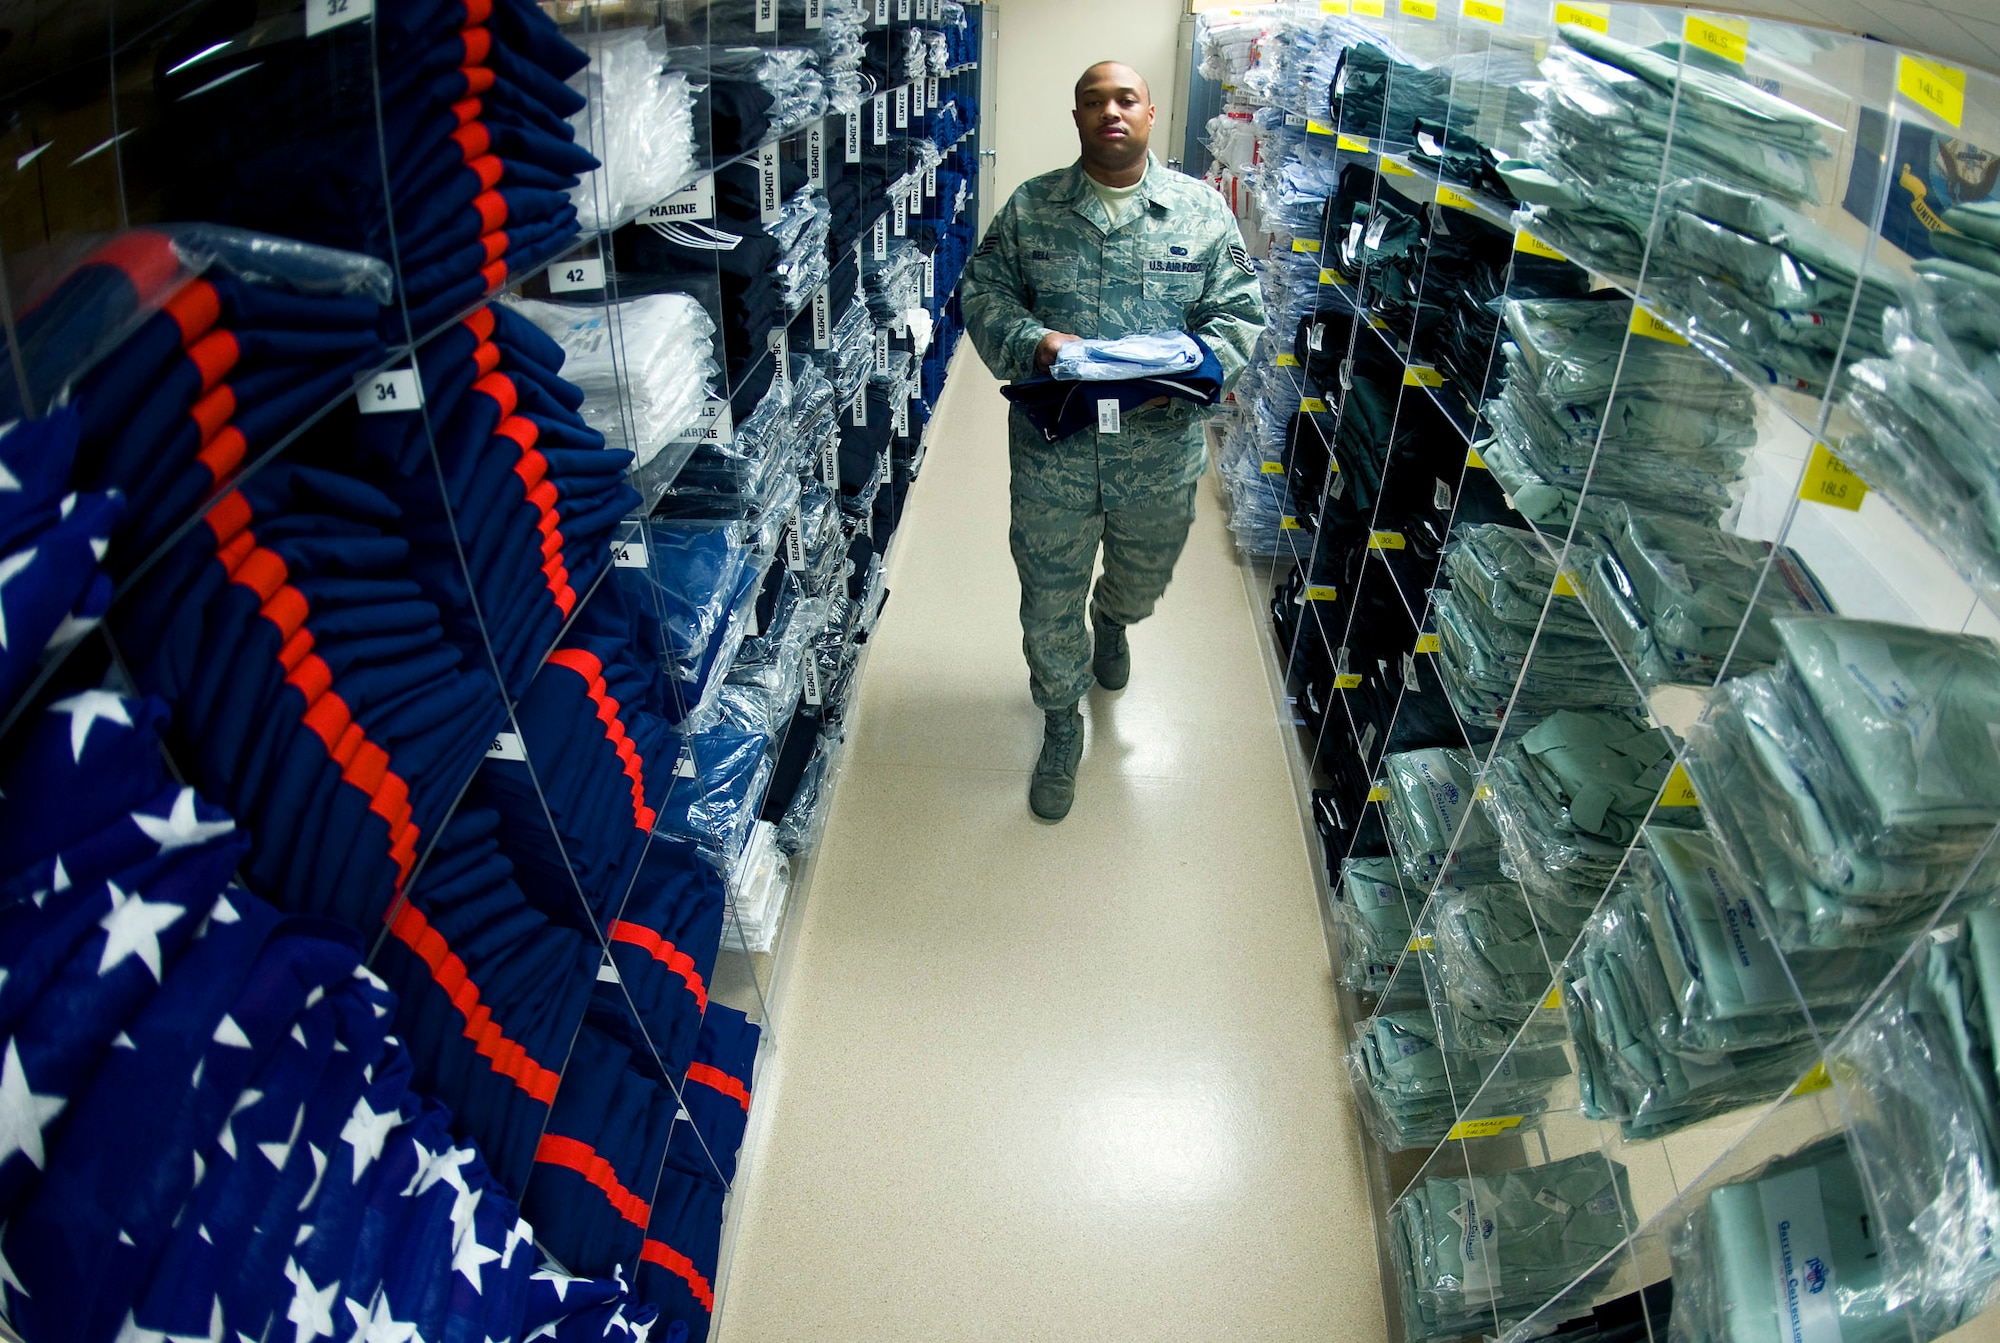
(1816, 1080)
(1368, 9)
(1483, 793)
(1565, 585)
(1446, 196)
(1305, 244)
(1395, 169)
(1483, 1128)
(1428, 643)
(1597, 18)
(1385, 541)
(1289, 524)
(1420, 9)
(1525, 241)
(1831, 481)
(1679, 790)
(1379, 793)
(1333, 6)
(1422, 375)
(1273, 468)
(1352, 145)
(1288, 361)
(1727, 38)
(1554, 1001)
(1424, 943)
(1350, 681)
(1486, 11)
(1937, 88)
(1331, 277)
(1377, 322)
(1317, 127)
(1647, 323)
(1311, 405)
(1319, 593)
(1474, 460)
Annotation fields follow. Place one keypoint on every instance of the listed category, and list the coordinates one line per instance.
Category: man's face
(1114, 117)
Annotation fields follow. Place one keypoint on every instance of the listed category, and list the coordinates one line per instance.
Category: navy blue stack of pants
(663, 948)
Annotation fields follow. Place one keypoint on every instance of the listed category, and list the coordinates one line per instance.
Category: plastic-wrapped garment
(805, 814)
(1538, 1229)
(1731, 1278)
(756, 94)
(1412, 1090)
(1433, 825)
(644, 115)
(644, 365)
(1672, 596)
(745, 476)
(715, 806)
(758, 885)
(1137, 356)
(1373, 922)
(1493, 958)
(694, 573)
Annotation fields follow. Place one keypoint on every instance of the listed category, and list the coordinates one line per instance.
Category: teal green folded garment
(1372, 919)
(1979, 219)
(1969, 252)
(1494, 961)
(1916, 714)
(1430, 797)
(1413, 1080)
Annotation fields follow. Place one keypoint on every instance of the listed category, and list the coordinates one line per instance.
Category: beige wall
(1045, 45)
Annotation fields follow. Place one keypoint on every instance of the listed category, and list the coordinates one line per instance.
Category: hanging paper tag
(930, 277)
(506, 746)
(1937, 88)
(795, 545)
(1830, 481)
(1107, 416)
(389, 391)
(930, 182)
(901, 428)
(822, 320)
(931, 93)
(769, 202)
(901, 212)
(851, 144)
(829, 462)
(322, 15)
(781, 369)
(816, 153)
(810, 677)
(882, 350)
(692, 203)
(767, 16)
(861, 409)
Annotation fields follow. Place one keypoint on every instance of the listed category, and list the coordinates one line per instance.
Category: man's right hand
(1045, 353)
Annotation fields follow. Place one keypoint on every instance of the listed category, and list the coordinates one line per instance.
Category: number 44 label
(390, 391)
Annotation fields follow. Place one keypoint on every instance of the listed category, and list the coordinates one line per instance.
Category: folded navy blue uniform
(716, 1097)
(664, 944)
(1058, 409)
(683, 1246)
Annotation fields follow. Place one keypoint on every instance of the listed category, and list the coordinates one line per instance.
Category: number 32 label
(324, 14)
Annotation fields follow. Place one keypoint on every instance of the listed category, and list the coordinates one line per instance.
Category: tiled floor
(1077, 1083)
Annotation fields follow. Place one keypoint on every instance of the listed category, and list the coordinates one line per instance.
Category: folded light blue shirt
(1146, 355)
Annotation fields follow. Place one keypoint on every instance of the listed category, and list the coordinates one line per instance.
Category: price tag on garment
(628, 554)
(822, 320)
(691, 204)
(880, 105)
(1107, 416)
(1482, 1128)
(712, 425)
(815, 14)
(506, 746)
(1938, 89)
(1727, 38)
(901, 213)
(767, 16)
(882, 350)
(829, 462)
(930, 277)
(809, 678)
(882, 238)
(851, 138)
(322, 15)
(902, 107)
(389, 391)
(770, 201)
(1830, 481)
(1486, 11)
(1422, 375)
(881, 13)
(931, 93)
(1419, 9)
(1679, 789)
(902, 11)
(861, 409)
(1647, 323)
(580, 274)
(1597, 18)
(930, 182)
(1525, 241)
(816, 153)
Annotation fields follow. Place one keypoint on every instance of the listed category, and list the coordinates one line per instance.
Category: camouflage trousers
(1055, 552)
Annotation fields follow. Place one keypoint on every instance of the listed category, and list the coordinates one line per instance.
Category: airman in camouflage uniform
(1054, 266)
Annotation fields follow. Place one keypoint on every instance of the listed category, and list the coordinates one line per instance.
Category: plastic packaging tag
(1107, 416)
(506, 746)
(389, 391)
(584, 273)
(1807, 1285)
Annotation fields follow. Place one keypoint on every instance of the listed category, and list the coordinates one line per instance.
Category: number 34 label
(324, 14)
(392, 390)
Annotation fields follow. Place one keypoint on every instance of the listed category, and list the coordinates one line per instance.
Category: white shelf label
(852, 141)
(902, 429)
(810, 668)
(628, 554)
(829, 463)
(390, 391)
(881, 105)
(930, 182)
(692, 203)
(931, 93)
(882, 238)
(815, 14)
(901, 210)
(882, 350)
(816, 153)
(930, 277)
(567, 277)
(902, 107)
(712, 424)
(822, 320)
(506, 746)
(861, 409)
(780, 350)
(770, 202)
(795, 545)
(322, 15)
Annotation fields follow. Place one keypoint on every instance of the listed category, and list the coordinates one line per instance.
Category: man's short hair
(1084, 78)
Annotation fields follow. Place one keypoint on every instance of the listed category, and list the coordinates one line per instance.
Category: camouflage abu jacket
(1052, 262)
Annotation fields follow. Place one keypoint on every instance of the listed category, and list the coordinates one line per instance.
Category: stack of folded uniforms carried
(532, 494)
(1599, 144)
(1670, 440)
(1412, 1087)
(754, 94)
(683, 1246)
(1675, 597)
(1855, 781)
(1679, 1003)
(468, 949)
(1476, 1253)
(1568, 797)
(1128, 370)
(472, 114)
(1926, 414)
(222, 1120)
(640, 124)
(1493, 612)
(313, 686)
(644, 366)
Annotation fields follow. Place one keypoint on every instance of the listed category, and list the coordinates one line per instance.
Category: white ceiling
(1964, 31)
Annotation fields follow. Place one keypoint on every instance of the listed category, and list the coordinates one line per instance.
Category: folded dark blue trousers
(716, 1096)
(683, 1245)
